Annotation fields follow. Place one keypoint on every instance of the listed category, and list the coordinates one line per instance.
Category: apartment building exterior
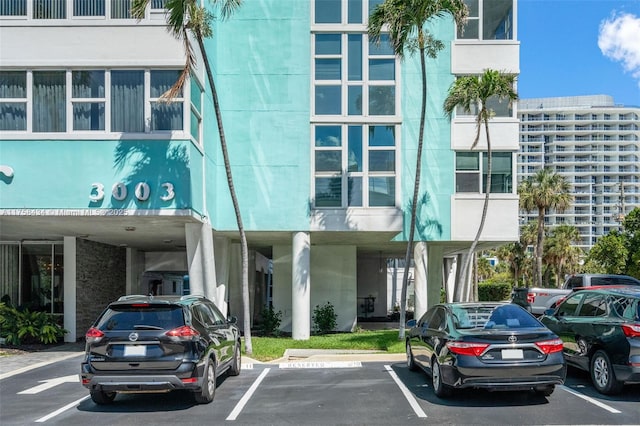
(595, 145)
(107, 190)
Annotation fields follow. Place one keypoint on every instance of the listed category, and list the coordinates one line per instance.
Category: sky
(580, 47)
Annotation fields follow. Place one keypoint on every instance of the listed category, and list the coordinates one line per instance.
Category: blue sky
(580, 47)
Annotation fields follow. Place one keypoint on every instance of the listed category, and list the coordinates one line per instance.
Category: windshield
(493, 317)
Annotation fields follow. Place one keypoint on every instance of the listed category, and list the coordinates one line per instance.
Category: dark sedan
(496, 346)
(600, 328)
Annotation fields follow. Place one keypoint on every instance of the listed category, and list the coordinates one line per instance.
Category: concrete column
(69, 279)
(193, 236)
(435, 275)
(208, 265)
(301, 287)
(420, 278)
(450, 268)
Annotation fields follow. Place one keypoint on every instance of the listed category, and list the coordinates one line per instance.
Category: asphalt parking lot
(326, 390)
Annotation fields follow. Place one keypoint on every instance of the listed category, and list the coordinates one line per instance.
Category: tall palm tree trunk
(540, 239)
(485, 207)
(414, 204)
(236, 207)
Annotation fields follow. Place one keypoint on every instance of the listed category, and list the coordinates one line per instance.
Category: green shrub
(270, 325)
(324, 318)
(23, 327)
(494, 292)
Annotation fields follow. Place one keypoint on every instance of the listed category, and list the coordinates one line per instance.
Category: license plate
(512, 354)
(135, 350)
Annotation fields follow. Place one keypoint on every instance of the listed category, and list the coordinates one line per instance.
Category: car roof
(474, 304)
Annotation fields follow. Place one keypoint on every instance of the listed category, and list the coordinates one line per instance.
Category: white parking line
(591, 400)
(38, 365)
(245, 398)
(61, 410)
(320, 364)
(407, 393)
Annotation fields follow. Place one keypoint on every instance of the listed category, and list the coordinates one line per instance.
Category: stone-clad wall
(101, 279)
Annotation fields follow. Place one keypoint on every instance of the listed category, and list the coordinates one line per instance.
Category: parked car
(145, 344)
(497, 346)
(600, 329)
(540, 299)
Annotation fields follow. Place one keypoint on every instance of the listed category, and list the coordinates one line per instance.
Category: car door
(436, 335)
(561, 323)
(586, 327)
(417, 339)
(225, 334)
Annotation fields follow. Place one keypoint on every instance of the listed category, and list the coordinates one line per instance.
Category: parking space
(372, 393)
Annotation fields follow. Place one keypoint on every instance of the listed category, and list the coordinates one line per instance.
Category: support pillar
(301, 287)
(435, 276)
(420, 279)
(450, 269)
(193, 236)
(69, 280)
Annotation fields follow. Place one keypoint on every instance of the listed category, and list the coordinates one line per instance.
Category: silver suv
(145, 344)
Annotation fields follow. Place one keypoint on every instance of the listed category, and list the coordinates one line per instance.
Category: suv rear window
(135, 317)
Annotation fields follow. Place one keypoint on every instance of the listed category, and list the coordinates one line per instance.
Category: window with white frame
(355, 165)
(58, 101)
(500, 108)
(355, 126)
(488, 20)
(471, 175)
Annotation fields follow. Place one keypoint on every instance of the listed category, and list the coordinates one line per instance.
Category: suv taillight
(550, 346)
(93, 335)
(631, 330)
(184, 332)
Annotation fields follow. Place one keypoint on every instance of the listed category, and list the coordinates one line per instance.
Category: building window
(49, 9)
(13, 100)
(500, 109)
(469, 172)
(354, 98)
(88, 8)
(49, 101)
(97, 100)
(88, 99)
(488, 20)
(13, 8)
(355, 165)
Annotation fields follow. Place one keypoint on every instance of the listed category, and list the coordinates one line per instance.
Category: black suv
(600, 328)
(143, 344)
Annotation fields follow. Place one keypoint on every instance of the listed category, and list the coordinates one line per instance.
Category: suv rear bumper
(131, 383)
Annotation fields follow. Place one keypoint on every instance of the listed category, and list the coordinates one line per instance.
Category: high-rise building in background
(595, 145)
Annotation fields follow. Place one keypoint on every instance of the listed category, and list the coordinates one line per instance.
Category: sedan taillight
(93, 335)
(185, 332)
(466, 348)
(550, 346)
(631, 330)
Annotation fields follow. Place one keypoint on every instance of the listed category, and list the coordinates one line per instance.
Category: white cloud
(619, 40)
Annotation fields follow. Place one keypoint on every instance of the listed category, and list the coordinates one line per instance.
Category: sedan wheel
(603, 376)
(440, 389)
(208, 391)
(411, 363)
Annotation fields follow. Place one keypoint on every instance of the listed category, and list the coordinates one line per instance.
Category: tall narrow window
(13, 8)
(49, 101)
(13, 100)
(88, 98)
(88, 8)
(165, 115)
(127, 101)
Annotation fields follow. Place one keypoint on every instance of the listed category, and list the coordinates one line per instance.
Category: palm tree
(562, 250)
(543, 191)
(406, 22)
(471, 93)
(188, 18)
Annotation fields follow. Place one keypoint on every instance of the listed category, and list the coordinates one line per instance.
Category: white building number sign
(142, 191)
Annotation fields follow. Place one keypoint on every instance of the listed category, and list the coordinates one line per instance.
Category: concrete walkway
(11, 365)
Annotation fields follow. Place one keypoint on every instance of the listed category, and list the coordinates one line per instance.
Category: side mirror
(549, 312)
(411, 323)
(232, 320)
